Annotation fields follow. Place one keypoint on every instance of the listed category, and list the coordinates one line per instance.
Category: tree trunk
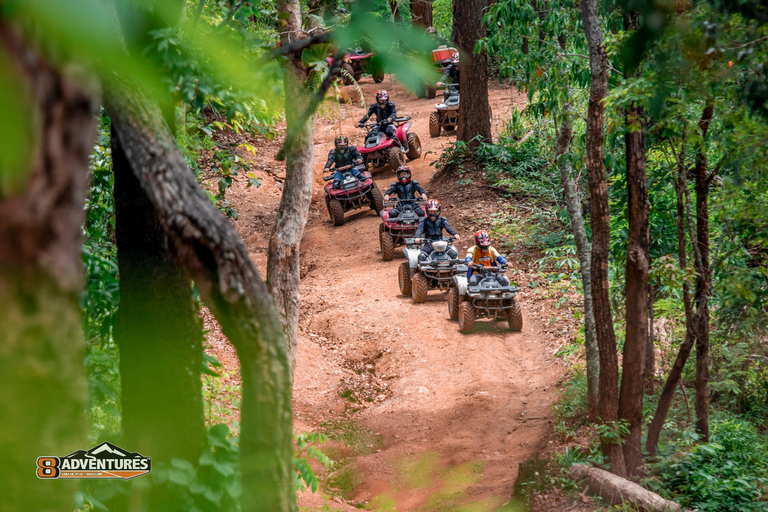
(616, 490)
(284, 245)
(570, 190)
(703, 280)
(421, 13)
(395, 6)
(42, 378)
(158, 331)
(601, 231)
(207, 246)
(668, 391)
(474, 111)
(636, 290)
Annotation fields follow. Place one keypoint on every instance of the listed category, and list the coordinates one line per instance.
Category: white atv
(446, 116)
(488, 297)
(417, 276)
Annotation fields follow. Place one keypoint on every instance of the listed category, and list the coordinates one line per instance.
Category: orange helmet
(483, 240)
(433, 209)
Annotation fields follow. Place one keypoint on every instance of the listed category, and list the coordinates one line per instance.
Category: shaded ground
(425, 418)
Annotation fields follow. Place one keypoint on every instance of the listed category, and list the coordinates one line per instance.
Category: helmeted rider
(483, 254)
(431, 227)
(451, 74)
(343, 155)
(385, 113)
(405, 188)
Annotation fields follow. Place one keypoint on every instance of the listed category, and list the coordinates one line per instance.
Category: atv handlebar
(482, 268)
(415, 241)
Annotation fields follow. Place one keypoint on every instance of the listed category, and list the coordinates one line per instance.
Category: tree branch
(318, 97)
(750, 43)
(298, 45)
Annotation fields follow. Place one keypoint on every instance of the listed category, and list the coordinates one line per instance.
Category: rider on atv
(405, 188)
(385, 114)
(484, 255)
(451, 73)
(431, 227)
(343, 155)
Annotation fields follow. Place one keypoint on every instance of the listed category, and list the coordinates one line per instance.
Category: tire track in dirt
(442, 419)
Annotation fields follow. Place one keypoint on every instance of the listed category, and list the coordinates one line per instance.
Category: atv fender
(402, 131)
(413, 256)
(461, 284)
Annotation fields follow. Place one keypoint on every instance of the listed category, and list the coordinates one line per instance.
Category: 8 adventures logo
(103, 461)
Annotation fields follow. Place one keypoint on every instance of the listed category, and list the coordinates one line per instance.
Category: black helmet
(342, 143)
(404, 174)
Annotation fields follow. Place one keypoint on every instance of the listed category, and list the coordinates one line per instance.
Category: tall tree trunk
(284, 245)
(601, 230)
(572, 200)
(158, 331)
(668, 391)
(703, 280)
(474, 111)
(42, 379)
(421, 13)
(632, 376)
(395, 6)
(207, 246)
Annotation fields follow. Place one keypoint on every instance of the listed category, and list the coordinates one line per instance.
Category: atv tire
(414, 147)
(467, 314)
(378, 76)
(404, 278)
(358, 76)
(387, 244)
(376, 200)
(420, 288)
(434, 124)
(454, 301)
(515, 317)
(347, 74)
(430, 91)
(336, 211)
(382, 228)
(394, 157)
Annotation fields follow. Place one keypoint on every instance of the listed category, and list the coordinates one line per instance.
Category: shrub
(728, 474)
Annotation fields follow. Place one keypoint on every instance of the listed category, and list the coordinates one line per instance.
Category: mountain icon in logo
(104, 460)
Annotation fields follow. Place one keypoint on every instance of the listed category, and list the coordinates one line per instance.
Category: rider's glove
(360, 124)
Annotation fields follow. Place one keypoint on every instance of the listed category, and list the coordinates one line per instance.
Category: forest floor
(422, 418)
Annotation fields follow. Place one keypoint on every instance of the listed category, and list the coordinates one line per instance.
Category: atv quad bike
(446, 115)
(380, 151)
(441, 57)
(357, 62)
(488, 298)
(416, 277)
(393, 231)
(351, 194)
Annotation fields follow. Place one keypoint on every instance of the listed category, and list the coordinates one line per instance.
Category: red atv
(394, 230)
(380, 151)
(351, 194)
(356, 62)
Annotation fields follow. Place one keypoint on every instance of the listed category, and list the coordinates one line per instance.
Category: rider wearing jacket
(483, 254)
(385, 113)
(405, 188)
(431, 227)
(343, 155)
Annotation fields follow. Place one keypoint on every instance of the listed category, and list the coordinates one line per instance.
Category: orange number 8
(47, 467)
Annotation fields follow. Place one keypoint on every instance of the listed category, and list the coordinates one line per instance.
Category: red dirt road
(432, 419)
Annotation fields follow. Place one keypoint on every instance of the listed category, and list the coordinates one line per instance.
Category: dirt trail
(437, 420)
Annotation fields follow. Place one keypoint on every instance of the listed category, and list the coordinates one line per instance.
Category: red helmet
(433, 209)
(382, 97)
(404, 174)
(431, 30)
(483, 240)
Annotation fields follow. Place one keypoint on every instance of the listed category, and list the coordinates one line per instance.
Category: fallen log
(616, 490)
